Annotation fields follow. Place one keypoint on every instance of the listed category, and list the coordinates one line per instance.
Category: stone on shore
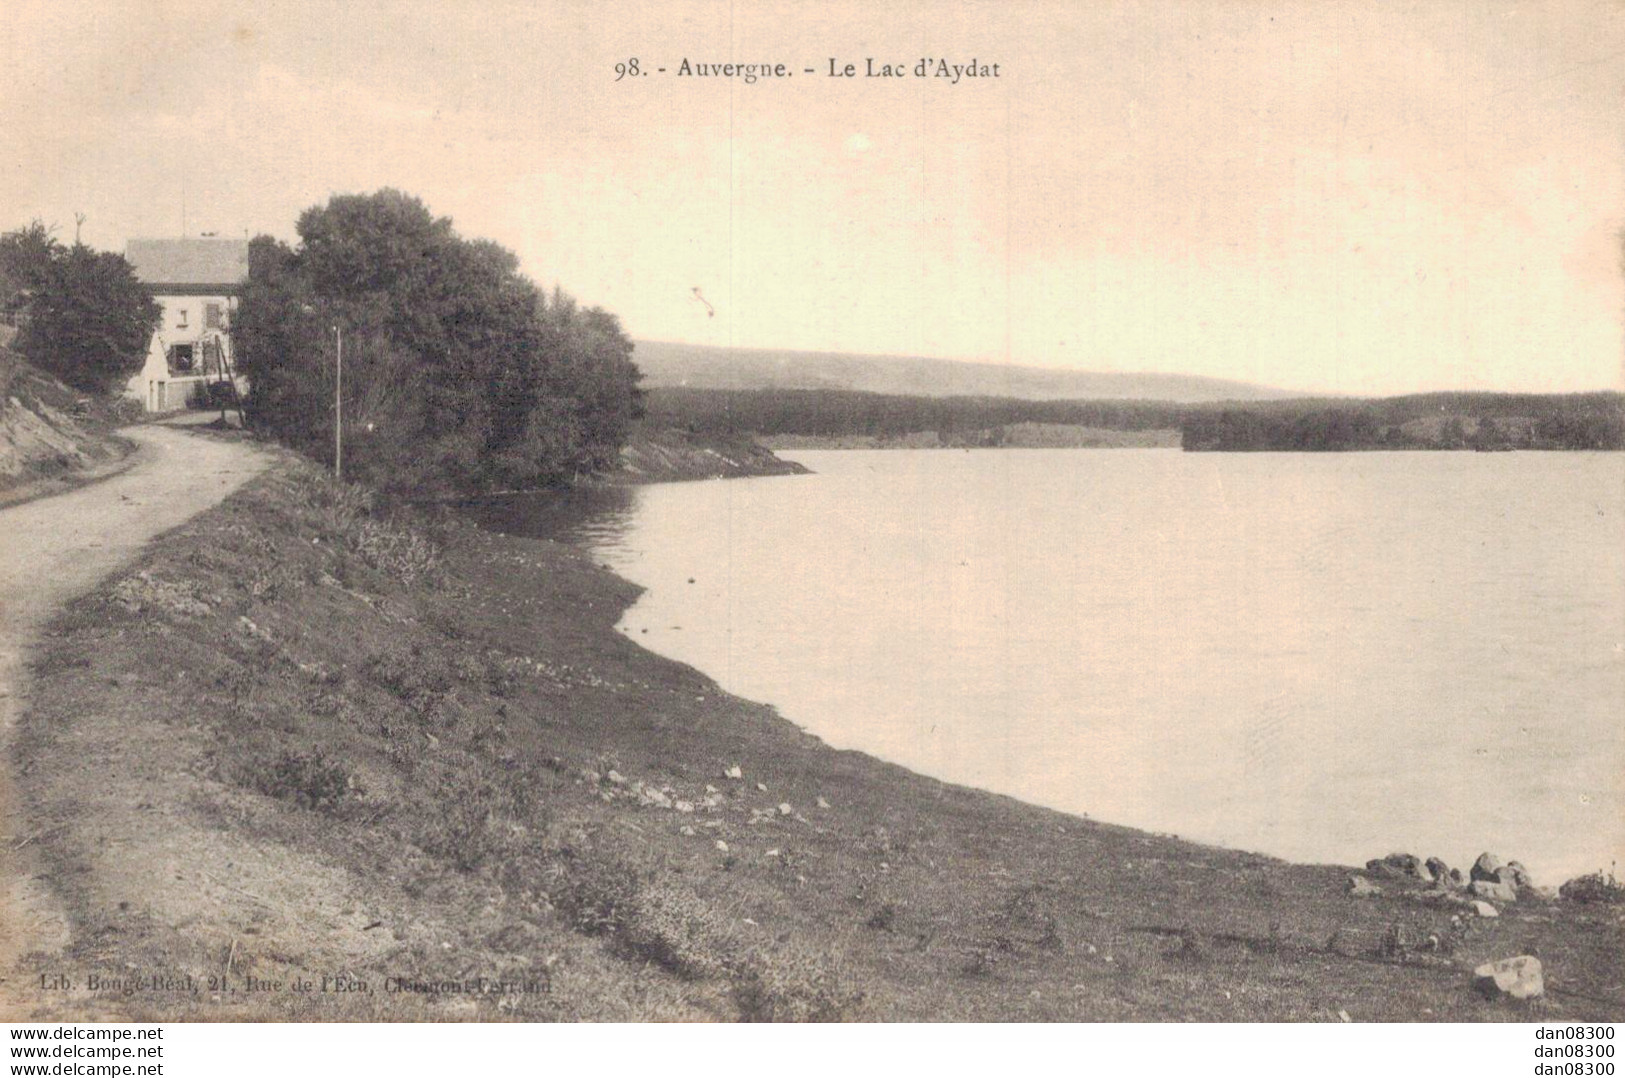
(1442, 873)
(1396, 866)
(1444, 896)
(1484, 909)
(1400, 866)
(1486, 867)
(1514, 873)
(1360, 887)
(1495, 890)
(1510, 978)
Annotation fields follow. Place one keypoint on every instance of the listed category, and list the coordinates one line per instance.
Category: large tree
(89, 320)
(459, 374)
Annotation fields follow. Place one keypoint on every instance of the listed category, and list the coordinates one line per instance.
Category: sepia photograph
(739, 511)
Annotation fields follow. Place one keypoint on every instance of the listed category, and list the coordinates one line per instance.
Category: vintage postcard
(739, 510)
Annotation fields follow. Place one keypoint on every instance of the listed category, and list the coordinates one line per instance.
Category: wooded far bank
(1582, 421)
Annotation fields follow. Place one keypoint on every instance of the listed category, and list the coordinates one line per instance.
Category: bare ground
(53, 549)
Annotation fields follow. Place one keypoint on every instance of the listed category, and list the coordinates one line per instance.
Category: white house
(196, 282)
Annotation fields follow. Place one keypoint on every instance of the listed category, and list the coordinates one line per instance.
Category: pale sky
(1338, 196)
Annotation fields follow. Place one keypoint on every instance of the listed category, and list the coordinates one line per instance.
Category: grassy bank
(309, 742)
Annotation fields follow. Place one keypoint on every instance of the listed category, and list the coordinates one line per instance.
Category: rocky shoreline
(407, 749)
(1488, 886)
(667, 455)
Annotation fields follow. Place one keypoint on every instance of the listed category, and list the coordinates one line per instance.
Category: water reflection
(595, 517)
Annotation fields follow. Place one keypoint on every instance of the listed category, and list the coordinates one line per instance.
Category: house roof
(189, 262)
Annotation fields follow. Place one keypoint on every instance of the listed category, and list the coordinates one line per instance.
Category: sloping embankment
(42, 445)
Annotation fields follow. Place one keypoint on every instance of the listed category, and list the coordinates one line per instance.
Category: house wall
(184, 321)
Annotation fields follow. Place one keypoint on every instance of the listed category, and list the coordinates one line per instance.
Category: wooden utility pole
(338, 403)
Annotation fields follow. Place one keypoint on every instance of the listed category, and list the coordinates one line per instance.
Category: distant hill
(666, 364)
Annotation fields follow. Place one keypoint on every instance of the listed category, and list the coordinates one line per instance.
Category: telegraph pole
(338, 403)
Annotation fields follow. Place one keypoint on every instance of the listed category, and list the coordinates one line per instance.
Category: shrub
(462, 833)
(671, 926)
(404, 554)
(417, 677)
(1595, 887)
(213, 396)
(657, 921)
(794, 984)
(467, 821)
(309, 780)
(349, 518)
(595, 893)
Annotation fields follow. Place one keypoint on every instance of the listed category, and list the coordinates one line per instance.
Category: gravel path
(54, 549)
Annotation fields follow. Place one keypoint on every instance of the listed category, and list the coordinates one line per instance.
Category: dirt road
(54, 549)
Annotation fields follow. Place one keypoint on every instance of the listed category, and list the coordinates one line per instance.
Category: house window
(181, 359)
(213, 315)
(182, 322)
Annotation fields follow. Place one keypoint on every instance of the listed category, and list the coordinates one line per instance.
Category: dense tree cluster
(460, 375)
(1248, 430)
(1422, 421)
(1483, 421)
(846, 412)
(83, 316)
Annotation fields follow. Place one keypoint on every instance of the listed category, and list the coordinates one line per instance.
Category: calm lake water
(1324, 657)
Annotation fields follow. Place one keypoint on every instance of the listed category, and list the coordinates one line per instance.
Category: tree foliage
(89, 321)
(1422, 421)
(460, 375)
(25, 257)
(1482, 421)
(836, 412)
